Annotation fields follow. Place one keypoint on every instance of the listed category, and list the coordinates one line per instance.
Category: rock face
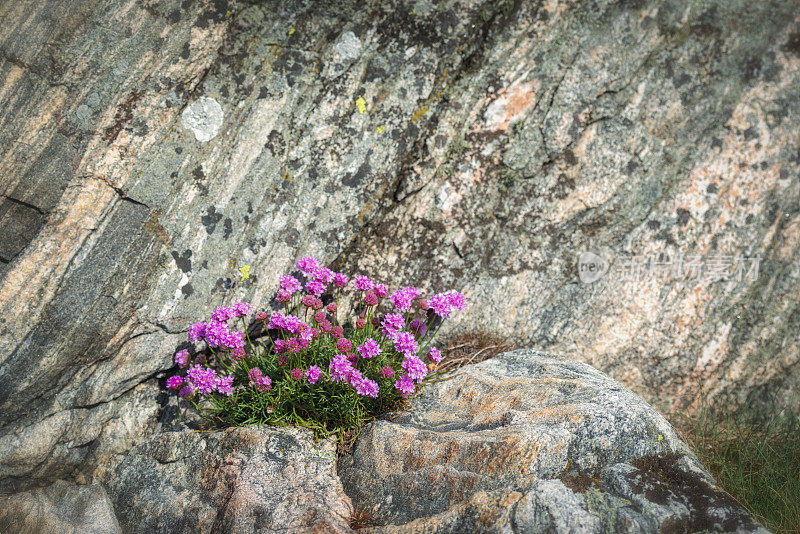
(526, 442)
(239, 480)
(60, 508)
(162, 158)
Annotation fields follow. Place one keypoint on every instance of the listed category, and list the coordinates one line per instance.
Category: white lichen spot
(203, 118)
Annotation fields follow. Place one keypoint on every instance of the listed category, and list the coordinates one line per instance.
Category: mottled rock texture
(526, 442)
(467, 143)
(61, 508)
(238, 480)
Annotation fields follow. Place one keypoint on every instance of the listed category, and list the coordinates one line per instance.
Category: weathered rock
(471, 143)
(238, 480)
(60, 508)
(527, 442)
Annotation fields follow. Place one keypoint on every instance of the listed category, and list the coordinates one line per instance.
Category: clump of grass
(361, 518)
(754, 457)
(471, 347)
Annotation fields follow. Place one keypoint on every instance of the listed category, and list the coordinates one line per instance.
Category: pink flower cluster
(203, 380)
(216, 333)
(446, 303)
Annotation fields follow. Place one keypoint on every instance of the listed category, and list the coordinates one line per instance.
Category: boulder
(252, 479)
(61, 508)
(158, 159)
(527, 442)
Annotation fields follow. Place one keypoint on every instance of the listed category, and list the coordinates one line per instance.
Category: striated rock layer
(158, 159)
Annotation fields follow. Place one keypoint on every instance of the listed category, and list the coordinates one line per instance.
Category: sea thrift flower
(197, 332)
(202, 378)
(339, 368)
(283, 361)
(319, 316)
(241, 309)
(225, 385)
(354, 376)
(297, 374)
(366, 387)
(309, 300)
(405, 385)
(182, 358)
(313, 373)
(415, 368)
(326, 327)
(222, 314)
(279, 346)
(361, 323)
(186, 391)
(290, 284)
(392, 323)
(457, 300)
(352, 357)
(261, 316)
(381, 290)
(315, 287)
(387, 372)
(283, 296)
(344, 344)
(435, 355)
(308, 265)
(340, 280)
(401, 299)
(316, 305)
(362, 283)
(234, 340)
(174, 382)
(405, 343)
(446, 303)
(313, 333)
(370, 299)
(369, 349)
(259, 379)
(324, 275)
(331, 308)
(337, 331)
(238, 354)
(216, 334)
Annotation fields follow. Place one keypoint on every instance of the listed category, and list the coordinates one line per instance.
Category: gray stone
(527, 442)
(346, 50)
(61, 508)
(239, 480)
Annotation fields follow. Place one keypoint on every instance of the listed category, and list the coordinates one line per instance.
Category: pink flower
(401, 299)
(313, 333)
(309, 300)
(202, 378)
(234, 340)
(319, 316)
(392, 323)
(225, 385)
(370, 299)
(415, 368)
(197, 332)
(344, 344)
(324, 275)
(363, 283)
(259, 380)
(381, 290)
(369, 349)
(216, 334)
(283, 296)
(331, 308)
(297, 374)
(387, 372)
(445, 303)
(238, 354)
(261, 316)
(182, 358)
(405, 385)
(457, 300)
(222, 314)
(290, 284)
(340, 279)
(326, 327)
(337, 331)
(308, 265)
(354, 376)
(174, 382)
(418, 327)
(361, 323)
(313, 374)
(186, 391)
(405, 343)
(315, 287)
(279, 346)
(241, 309)
(435, 355)
(366, 387)
(339, 368)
